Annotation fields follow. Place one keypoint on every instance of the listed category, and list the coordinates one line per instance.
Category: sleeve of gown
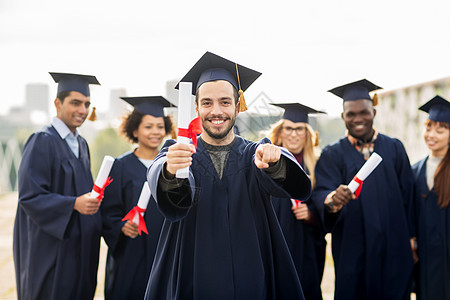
(113, 207)
(173, 201)
(296, 183)
(328, 179)
(406, 181)
(416, 204)
(49, 210)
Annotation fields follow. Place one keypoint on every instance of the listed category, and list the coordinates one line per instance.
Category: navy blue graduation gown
(306, 241)
(370, 235)
(129, 261)
(56, 249)
(433, 239)
(222, 239)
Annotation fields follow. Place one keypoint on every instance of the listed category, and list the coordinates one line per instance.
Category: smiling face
(293, 136)
(216, 106)
(151, 132)
(437, 137)
(358, 116)
(73, 109)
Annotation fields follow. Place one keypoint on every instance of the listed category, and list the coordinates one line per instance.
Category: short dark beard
(220, 136)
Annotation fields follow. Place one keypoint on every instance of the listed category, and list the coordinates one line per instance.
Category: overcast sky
(303, 48)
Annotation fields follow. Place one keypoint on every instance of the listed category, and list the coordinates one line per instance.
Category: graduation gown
(370, 235)
(129, 261)
(223, 240)
(433, 239)
(306, 241)
(56, 249)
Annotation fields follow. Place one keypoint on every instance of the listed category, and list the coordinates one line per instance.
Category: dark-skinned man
(370, 234)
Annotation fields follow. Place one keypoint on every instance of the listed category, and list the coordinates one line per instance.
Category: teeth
(217, 121)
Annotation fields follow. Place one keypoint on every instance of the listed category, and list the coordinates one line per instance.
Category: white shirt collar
(62, 128)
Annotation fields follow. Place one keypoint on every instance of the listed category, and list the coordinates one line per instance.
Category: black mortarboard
(438, 109)
(149, 105)
(211, 67)
(297, 112)
(74, 82)
(356, 90)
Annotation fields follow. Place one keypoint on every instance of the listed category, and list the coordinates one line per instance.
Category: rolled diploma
(184, 118)
(294, 202)
(143, 201)
(103, 173)
(368, 167)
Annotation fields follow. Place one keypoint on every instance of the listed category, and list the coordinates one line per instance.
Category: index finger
(259, 152)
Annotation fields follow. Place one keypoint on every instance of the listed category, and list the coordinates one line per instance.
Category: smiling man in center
(221, 238)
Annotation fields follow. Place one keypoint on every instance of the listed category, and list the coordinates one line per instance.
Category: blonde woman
(303, 234)
(432, 200)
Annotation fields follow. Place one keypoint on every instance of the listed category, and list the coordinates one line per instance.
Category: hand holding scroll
(179, 156)
(130, 229)
(86, 205)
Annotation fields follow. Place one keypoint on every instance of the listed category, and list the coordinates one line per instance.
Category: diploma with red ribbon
(356, 184)
(102, 180)
(136, 214)
(296, 202)
(187, 128)
(194, 128)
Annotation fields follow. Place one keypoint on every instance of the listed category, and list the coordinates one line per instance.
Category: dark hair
(131, 122)
(235, 94)
(62, 95)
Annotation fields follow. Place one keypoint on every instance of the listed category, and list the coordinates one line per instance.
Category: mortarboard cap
(74, 82)
(297, 112)
(356, 90)
(438, 109)
(211, 67)
(149, 105)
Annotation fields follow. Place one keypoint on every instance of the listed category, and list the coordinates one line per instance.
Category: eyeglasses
(298, 130)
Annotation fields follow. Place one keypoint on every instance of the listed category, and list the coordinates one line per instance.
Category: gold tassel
(316, 142)
(93, 116)
(242, 104)
(375, 99)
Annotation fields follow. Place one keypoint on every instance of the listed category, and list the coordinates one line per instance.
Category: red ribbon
(297, 202)
(101, 190)
(358, 190)
(132, 213)
(195, 127)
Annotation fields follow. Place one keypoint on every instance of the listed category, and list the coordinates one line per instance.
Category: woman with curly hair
(432, 199)
(300, 226)
(130, 256)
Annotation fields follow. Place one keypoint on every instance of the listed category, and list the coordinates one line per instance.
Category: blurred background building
(398, 115)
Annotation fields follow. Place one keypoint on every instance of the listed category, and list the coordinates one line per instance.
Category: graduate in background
(370, 235)
(300, 223)
(58, 226)
(130, 256)
(221, 238)
(432, 200)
